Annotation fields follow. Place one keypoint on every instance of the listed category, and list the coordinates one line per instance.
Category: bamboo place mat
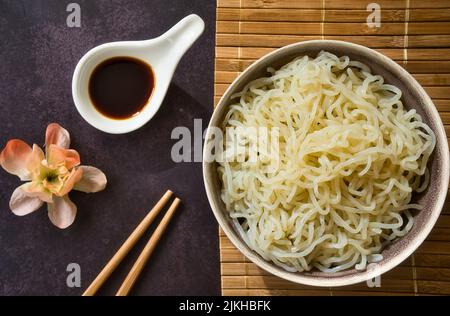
(416, 34)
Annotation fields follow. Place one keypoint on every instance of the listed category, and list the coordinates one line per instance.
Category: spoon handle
(183, 34)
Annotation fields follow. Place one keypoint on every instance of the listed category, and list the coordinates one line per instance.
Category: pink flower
(51, 176)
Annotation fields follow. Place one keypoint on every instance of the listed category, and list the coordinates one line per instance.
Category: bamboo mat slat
(252, 53)
(331, 28)
(414, 33)
(337, 15)
(330, 4)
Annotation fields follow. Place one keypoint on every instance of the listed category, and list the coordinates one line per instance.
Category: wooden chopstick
(127, 246)
(148, 250)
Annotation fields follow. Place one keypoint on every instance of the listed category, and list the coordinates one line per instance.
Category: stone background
(38, 54)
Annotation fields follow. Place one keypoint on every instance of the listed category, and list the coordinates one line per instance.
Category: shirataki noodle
(349, 158)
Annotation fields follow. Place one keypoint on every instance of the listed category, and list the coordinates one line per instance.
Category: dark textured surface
(38, 53)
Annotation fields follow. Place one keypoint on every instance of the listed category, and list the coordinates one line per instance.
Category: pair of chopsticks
(129, 244)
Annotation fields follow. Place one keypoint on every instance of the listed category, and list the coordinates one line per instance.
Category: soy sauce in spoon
(121, 87)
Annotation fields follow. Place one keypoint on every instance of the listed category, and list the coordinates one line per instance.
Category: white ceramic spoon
(162, 53)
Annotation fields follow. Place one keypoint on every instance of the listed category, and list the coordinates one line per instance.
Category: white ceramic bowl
(414, 96)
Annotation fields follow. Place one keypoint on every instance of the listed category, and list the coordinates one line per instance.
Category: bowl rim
(368, 274)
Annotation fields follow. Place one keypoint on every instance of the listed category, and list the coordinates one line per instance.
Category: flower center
(51, 176)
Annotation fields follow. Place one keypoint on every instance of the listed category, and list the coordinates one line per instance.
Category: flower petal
(57, 155)
(22, 203)
(35, 160)
(93, 180)
(14, 158)
(74, 177)
(37, 190)
(62, 211)
(57, 135)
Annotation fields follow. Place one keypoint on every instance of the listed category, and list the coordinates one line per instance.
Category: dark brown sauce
(121, 87)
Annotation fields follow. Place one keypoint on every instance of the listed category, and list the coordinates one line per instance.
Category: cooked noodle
(349, 158)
